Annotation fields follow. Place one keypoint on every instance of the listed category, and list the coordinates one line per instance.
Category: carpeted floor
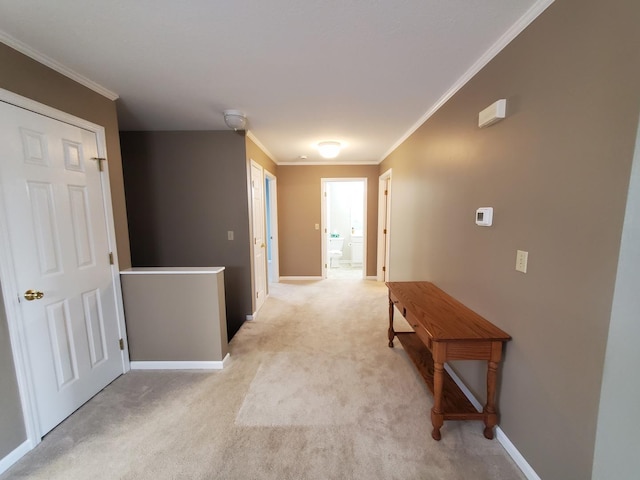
(311, 392)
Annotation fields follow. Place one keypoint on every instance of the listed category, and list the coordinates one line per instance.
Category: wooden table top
(444, 317)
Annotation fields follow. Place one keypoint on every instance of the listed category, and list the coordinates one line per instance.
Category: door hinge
(99, 160)
(121, 343)
(384, 231)
(257, 294)
(325, 265)
(386, 192)
(384, 269)
(325, 230)
(111, 258)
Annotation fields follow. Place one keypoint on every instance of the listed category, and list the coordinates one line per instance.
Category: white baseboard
(7, 462)
(517, 457)
(463, 387)
(301, 278)
(171, 365)
(511, 449)
(371, 277)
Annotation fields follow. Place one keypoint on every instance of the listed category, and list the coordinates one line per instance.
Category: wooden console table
(444, 329)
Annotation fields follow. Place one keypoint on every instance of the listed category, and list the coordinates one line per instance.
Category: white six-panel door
(52, 194)
(259, 241)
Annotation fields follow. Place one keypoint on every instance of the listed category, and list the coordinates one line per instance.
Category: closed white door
(259, 243)
(55, 211)
(384, 225)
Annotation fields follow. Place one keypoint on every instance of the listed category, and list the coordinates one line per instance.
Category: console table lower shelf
(456, 405)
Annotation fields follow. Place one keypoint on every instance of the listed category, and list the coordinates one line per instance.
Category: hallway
(311, 392)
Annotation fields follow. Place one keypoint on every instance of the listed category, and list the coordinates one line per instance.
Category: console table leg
(490, 415)
(437, 417)
(391, 333)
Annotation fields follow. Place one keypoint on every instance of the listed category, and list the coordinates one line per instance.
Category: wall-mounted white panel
(73, 156)
(62, 346)
(44, 226)
(94, 320)
(79, 201)
(34, 145)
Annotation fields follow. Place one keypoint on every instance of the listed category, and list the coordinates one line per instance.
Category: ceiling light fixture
(235, 119)
(329, 149)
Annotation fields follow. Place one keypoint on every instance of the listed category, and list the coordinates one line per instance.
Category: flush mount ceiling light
(329, 149)
(235, 119)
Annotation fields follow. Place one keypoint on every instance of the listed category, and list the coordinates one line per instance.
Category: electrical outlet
(521, 261)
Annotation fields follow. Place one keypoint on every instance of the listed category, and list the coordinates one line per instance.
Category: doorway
(271, 202)
(344, 227)
(258, 243)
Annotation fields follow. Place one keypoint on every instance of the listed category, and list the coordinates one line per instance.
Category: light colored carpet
(311, 392)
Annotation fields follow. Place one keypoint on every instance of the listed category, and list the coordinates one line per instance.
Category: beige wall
(299, 209)
(31, 79)
(256, 154)
(175, 316)
(556, 172)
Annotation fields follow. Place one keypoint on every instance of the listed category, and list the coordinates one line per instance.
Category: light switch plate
(230, 235)
(521, 260)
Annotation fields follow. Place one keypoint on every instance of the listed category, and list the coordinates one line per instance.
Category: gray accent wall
(557, 172)
(185, 191)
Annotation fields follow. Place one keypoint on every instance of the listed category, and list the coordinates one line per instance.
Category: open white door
(58, 241)
(259, 241)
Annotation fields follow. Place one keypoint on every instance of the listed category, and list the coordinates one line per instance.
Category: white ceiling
(363, 72)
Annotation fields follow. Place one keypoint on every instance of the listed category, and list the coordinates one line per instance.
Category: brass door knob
(33, 295)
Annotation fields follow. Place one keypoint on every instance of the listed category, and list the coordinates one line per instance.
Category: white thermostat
(484, 216)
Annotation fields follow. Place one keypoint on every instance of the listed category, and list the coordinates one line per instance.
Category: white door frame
(324, 218)
(384, 225)
(8, 279)
(272, 201)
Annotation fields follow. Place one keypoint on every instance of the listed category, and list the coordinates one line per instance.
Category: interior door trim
(272, 199)
(325, 221)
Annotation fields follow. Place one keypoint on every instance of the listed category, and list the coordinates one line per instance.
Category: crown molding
(58, 67)
(261, 146)
(515, 29)
(300, 164)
